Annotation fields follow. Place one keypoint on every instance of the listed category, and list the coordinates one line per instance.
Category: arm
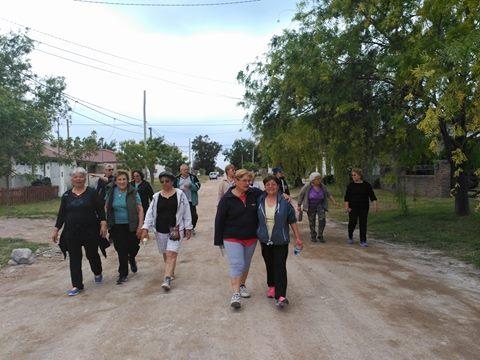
(220, 190)
(149, 219)
(330, 196)
(346, 199)
(373, 198)
(100, 210)
(220, 222)
(60, 219)
(187, 217)
(301, 196)
(140, 221)
(298, 240)
(195, 183)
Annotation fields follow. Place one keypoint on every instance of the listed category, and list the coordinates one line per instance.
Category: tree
(172, 158)
(102, 144)
(242, 151)
(28, 104)
(74, 151)
(206, 151)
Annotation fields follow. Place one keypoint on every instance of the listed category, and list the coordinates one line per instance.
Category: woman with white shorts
(170, 218)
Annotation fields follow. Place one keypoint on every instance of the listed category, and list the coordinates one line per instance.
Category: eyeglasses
(165, 181)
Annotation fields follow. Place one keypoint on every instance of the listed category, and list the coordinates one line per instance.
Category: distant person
(82, 217)
(313, 198)
(278, 173)
(105, 180)
(125, 221)
(143, 188)
(358, 195)
(189, 184)
(228, 180)
(236, 225)
(169, 216)
(275, 215)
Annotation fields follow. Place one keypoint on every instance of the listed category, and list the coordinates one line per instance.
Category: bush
(329, 179)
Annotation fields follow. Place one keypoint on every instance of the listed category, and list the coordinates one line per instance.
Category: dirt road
(384, 302)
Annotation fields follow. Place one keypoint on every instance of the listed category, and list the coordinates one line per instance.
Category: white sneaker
(166, 283)
(244, 292)
(235, 301)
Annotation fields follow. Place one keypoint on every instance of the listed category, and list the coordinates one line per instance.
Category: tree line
(371, 84)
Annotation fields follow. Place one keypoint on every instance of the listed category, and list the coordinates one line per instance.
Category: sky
(186, 59)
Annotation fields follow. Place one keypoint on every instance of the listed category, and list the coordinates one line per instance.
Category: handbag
(174, 233)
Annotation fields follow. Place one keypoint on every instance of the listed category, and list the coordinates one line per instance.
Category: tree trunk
(462, 206)
(152, 176)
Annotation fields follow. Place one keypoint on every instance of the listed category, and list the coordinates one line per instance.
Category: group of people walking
(128, 210)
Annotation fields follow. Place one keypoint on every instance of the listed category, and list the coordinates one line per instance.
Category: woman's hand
(144, 234)
(139, 233)
(103, 229)
(299, 243)
(188, 234)
(55, 235)
(287, 197)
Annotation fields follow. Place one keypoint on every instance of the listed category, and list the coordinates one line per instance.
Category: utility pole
(242, 160)
(68, 129)
(150, 129)
(145, 126)
(253, 154)
(189, 153)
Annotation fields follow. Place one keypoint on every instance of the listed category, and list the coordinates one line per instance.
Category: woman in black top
(82, 216)
(357, 203)
(144, 189)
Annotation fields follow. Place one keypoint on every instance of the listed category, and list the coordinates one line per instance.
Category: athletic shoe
(321, 239)
(363, 244)
(98, 279)
(235, 301)
(133, 265)
(313, 239)
(121, 280)
(73, 292)
(350, 241)
(281, 302)
(271, 292)
(166, 283)
(244, 292)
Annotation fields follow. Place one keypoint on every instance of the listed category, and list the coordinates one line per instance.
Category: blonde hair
(242, 172)
(358, 171)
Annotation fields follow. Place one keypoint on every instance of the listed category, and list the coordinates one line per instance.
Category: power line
(115, 55)
(101, 122)
(223, 3)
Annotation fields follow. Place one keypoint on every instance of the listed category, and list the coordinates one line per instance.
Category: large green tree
(206, 151)
(29, 104)
(242, 151)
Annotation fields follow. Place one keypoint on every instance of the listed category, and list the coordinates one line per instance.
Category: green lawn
(42, 209)
(8, 244)
(431, 223)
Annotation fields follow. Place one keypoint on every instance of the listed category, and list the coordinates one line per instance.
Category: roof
(101, 156)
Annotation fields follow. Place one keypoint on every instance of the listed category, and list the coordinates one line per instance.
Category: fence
(28, 194)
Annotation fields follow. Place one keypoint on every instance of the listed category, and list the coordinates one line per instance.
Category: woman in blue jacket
(275, 214)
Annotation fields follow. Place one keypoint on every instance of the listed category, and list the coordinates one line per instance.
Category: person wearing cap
(278, 173)
(169, 217)
(313, 199)
(104, 181)
(189, 184)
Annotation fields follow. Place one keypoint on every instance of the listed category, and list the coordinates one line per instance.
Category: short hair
(242, 172)
(358, 171)
(228, 167)
(185, 165)
(139, 172)
(122, 172)
(108, 166)
(78, 170)
(270, 178)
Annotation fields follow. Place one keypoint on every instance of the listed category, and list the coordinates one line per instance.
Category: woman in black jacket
(144, 189)
(357, 203)
(82, 217)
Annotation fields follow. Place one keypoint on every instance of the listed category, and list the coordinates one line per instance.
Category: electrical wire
(223, 3)
(115, 55)
(101, 122)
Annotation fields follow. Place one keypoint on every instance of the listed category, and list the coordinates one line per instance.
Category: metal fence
(27, 194)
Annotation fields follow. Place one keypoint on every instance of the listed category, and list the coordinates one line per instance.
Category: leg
(363, 215)
(321, 223)
(267, 257)
(236, 261)
(120, 242)
(280, 254)
(91, 251)
(193, 211)
(312, 213)
(75, 255)
(248, 252)
(170, 264)
(352, 222)
(133, 248)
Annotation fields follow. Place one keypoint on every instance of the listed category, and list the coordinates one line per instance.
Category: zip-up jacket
(236, 220)
(284, 216)
(131, 208)
(303, 197)
(183, 215)
(194, 187)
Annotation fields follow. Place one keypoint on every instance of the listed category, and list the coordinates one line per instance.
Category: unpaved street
(384, 302)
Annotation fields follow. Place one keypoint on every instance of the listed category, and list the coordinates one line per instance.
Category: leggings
(275, 257)
(239, 257)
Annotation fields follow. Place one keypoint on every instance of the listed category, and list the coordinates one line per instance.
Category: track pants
(275, 257)
(127, 246)
(359, 214)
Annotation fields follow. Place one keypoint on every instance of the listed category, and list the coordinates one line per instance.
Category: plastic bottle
(297, 250)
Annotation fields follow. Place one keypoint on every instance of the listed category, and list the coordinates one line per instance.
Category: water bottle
(296, 250)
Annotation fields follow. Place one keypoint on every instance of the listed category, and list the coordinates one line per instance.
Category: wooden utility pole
(145, 127)
(150, 129)
(189, 153)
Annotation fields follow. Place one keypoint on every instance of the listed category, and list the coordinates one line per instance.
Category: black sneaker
(133, 265)
(314, 239)
(121, 280)
(321, 239)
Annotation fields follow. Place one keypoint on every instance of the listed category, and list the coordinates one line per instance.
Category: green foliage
(27, 109)
(206, 151)
(78, 149)
(241, 152)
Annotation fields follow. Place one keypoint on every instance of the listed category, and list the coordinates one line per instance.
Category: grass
(8, 244)
(41, 209)
(431, 223)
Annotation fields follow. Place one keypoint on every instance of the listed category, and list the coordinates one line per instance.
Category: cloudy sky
(186, 58)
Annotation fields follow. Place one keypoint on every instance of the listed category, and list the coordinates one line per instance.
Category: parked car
(213, 175)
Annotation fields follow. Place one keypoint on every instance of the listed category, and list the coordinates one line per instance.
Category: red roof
(101, 156)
